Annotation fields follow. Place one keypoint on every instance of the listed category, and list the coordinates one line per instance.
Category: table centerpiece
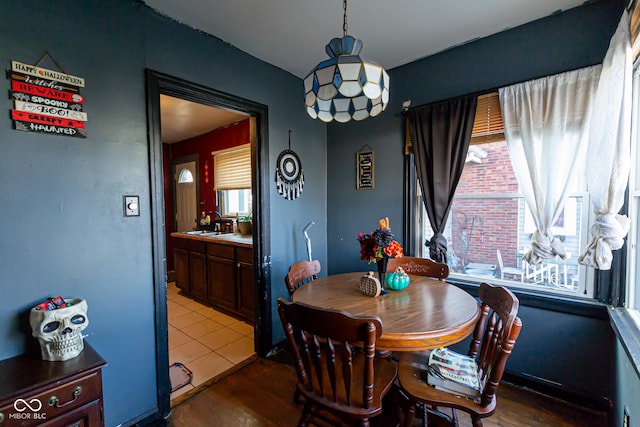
(379, 246)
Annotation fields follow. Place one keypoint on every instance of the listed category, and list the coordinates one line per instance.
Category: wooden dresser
(35, 392)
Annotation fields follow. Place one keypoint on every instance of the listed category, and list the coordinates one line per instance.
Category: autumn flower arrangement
(375, 246)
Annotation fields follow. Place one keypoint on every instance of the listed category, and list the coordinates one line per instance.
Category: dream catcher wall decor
(289, 174)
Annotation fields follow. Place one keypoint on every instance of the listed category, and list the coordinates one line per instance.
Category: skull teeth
(66, 344)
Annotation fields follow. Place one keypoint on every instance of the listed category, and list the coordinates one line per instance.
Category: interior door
(185, 206)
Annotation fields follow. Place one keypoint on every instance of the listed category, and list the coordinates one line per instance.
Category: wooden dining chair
(493, 340)
(300, 273)
(334, 357)
(419, 267)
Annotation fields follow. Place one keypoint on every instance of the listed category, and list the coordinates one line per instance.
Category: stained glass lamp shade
(346, 86)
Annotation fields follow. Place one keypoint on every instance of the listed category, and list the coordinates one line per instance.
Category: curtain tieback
(611, 227)
(607, 234)
(437, 247)
(544, 246)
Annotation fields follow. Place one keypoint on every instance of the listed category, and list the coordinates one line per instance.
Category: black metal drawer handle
(54, 401)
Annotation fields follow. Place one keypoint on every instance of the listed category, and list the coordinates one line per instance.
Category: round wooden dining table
(427, 314)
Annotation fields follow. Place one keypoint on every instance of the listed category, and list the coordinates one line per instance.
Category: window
(235, 202)
(489, 224)
(633, 273)
(185, 177)
(232, 180)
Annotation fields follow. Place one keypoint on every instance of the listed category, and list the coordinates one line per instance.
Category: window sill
(628, 333)
(586, 307)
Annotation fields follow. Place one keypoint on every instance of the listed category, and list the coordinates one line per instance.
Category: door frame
(159, 83)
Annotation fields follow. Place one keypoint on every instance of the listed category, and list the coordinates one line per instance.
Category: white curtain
(609, 152)
(545, 122)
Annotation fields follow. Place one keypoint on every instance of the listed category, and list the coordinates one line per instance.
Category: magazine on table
(453, 372)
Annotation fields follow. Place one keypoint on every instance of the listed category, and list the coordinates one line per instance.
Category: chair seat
(386, 373)
(411, 381)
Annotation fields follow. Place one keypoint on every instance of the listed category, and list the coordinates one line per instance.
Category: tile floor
(206, 341)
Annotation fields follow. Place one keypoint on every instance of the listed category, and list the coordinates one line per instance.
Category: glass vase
(382, 269)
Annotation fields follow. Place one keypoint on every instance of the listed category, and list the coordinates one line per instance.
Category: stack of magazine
(452, 372)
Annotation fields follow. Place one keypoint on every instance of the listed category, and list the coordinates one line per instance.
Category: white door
(185, 208)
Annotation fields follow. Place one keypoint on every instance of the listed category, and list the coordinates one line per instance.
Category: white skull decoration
(59, 331)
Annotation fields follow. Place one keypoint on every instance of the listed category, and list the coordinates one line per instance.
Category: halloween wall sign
(289, 174)
(47, 101)
(364, 169)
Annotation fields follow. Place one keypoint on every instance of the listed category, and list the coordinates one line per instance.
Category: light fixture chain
(344, 24)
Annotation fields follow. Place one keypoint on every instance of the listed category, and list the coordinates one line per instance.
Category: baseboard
(566, 394)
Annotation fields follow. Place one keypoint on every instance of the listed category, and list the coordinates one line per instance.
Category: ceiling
(183, 119)
(292, 34)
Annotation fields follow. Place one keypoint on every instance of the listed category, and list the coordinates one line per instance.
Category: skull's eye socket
(50, 327)
(77, 319)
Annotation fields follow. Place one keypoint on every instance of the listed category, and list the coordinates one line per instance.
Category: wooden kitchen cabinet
(245, 282)
(198, 269)
(221, 275)
(63, 393)
(181, 264)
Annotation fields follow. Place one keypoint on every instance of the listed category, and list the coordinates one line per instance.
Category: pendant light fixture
(346, 86)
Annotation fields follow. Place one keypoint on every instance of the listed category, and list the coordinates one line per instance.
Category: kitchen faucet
(219, 221)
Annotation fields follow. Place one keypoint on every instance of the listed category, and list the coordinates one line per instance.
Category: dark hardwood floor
(260, 394)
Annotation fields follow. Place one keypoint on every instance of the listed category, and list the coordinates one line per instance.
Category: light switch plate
(131, 205)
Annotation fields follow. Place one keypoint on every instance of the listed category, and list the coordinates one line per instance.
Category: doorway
(157, 85)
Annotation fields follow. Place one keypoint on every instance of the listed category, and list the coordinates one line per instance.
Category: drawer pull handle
(54, 401)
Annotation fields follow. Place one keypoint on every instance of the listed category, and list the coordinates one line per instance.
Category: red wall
(219, 139)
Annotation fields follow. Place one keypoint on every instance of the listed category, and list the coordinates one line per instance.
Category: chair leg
(476, 421)
(425, 413)
(410, 413)
(306, 416)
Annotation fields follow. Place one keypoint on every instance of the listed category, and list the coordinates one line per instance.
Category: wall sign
(46, 101)
(364, 170)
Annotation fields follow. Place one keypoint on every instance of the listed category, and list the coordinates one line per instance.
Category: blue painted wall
(556, 347)
(62, 231)
(61, 225)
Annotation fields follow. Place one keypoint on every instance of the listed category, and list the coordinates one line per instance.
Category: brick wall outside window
(480, 226)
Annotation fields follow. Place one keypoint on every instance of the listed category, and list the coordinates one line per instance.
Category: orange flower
(394, 250)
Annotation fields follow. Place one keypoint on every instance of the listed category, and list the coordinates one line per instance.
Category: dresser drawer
(48, 403)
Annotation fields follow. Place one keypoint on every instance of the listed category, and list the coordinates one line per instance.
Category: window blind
(487, 125)
(232, 168)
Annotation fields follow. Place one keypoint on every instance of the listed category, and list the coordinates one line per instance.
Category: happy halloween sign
(46, 101)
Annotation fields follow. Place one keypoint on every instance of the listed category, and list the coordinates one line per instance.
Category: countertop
(234, 239)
